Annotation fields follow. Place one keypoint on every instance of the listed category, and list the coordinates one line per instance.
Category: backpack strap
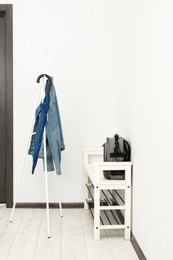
(127, 150)
(117, 147)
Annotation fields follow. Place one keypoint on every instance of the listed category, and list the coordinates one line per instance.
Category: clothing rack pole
(50, 57)
(58, 192)
(45, 152)
(30, 133)
(46, 184)
(45, 170)
(46, 70)
(45, 157)
(56, 177)
(31, 58)
(23, 162)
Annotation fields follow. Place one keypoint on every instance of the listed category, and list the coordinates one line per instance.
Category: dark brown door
(6, 106)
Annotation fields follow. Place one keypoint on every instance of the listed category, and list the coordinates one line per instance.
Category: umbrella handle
(49, 80)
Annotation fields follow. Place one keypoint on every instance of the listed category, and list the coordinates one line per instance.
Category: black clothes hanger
(49, 80)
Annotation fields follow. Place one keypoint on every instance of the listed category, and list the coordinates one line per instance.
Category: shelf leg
(86, 193)
(96, 213)
(127, 213)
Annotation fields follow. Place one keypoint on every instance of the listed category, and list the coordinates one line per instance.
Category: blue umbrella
(44, 107)
(40, 129)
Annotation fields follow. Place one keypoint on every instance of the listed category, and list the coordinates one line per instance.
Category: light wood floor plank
(121, 248)
(96, 250)
(49, 248)
(73, 244)
(2, 210)
(25, 241)
(8, 231)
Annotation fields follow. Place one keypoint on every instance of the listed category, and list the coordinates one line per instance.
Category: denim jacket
(54, 135)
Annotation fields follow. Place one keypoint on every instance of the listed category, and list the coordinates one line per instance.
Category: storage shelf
(109, 201)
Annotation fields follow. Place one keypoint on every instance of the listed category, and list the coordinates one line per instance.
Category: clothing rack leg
(18, 187)
(58, 191)
(46, 184)
(23, 163)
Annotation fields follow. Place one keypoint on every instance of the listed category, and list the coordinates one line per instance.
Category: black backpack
(116, 149)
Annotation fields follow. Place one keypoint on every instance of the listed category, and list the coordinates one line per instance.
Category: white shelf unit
(107, 199)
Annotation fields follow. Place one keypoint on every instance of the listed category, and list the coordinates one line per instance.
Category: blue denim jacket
(54, 135)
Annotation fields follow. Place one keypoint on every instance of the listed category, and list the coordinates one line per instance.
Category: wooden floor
(71, 237)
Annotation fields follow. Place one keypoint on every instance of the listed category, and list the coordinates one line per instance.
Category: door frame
(6, 10)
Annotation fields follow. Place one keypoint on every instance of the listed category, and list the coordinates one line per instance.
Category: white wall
(146, 118)
(85, 71)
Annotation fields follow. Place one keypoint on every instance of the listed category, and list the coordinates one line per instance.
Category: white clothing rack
(40, 97)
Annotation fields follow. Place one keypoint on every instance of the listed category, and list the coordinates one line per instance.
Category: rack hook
(49, 80)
